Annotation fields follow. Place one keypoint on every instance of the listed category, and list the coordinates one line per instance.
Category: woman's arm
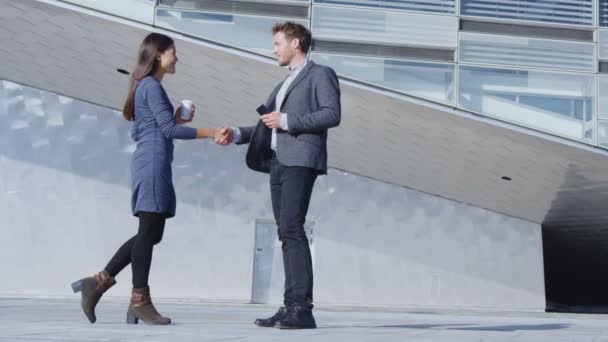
(160, 106)
(206, 133)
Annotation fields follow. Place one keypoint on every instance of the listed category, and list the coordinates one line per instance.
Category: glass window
(272, 8)
(603, 12)
(572, 12)
(244, 31)
(433, 81)
(392, 28)
(602, 135)
(436, 6)
(526, 52)
(554, 102)
(198, 4)
(602, 44)
(138, 10)
(603, 96)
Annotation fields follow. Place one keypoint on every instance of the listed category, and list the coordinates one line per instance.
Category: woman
(153, 197)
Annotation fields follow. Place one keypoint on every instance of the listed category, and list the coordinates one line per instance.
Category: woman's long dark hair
(147, 64)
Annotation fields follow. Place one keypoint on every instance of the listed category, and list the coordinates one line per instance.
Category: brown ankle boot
(92, 288)
(141, 307)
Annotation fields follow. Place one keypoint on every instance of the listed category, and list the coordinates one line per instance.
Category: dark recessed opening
(506, 178)
(122, 71)
(574, 260)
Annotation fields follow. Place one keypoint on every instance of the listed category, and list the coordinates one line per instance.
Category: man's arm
(237, 135)
(327, 90)
(246, 133)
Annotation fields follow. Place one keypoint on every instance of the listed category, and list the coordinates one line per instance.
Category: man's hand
(272, 120)
(223, 136)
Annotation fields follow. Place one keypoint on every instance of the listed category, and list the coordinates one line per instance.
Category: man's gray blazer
(312, 105)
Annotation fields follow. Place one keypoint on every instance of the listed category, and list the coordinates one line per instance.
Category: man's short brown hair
(294, 31)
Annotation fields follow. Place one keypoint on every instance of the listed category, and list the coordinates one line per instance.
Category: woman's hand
(178, 118)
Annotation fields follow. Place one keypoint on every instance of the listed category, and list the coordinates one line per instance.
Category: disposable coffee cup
(186, 112)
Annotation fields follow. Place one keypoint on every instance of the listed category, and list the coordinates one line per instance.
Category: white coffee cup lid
(186, 103)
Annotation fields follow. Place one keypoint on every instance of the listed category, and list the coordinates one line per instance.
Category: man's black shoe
(298, 317)
(270, 322)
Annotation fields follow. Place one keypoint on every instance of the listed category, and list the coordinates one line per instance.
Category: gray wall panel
(65, 190)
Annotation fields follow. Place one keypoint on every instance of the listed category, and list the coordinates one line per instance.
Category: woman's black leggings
(138, 249)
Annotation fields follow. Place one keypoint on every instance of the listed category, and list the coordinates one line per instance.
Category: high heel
(77, 286)
(131, 318)
(91, 289)
(141, 307)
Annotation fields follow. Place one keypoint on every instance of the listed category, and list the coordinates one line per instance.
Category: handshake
(223, 136)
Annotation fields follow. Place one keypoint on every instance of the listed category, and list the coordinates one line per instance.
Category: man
(290, 143)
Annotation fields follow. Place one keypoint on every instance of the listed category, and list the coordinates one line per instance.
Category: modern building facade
(470, 169)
